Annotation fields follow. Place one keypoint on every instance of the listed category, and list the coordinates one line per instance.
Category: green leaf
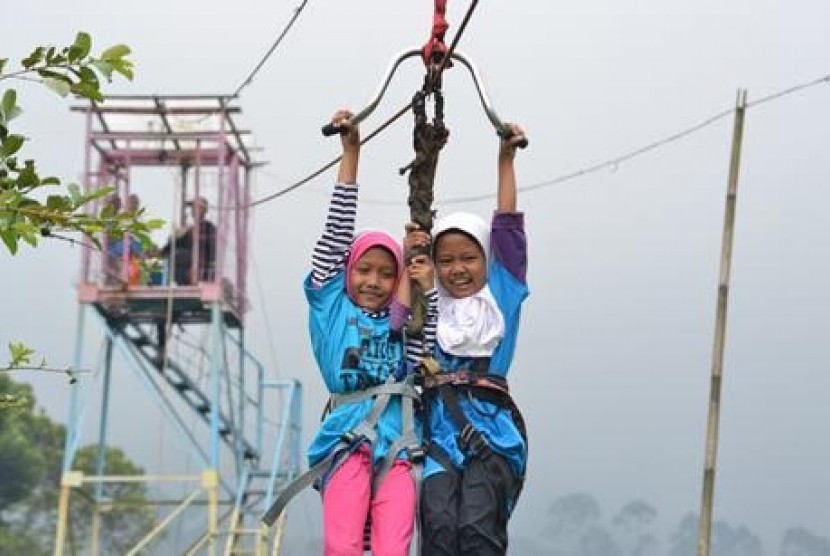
(74, 193)
(58, 202)
(51, 180)
(28, 232)
(155, 224)
(88, 77)
(55, 74)
(3, 62)
(11, 166)
(97, 194)
(10, 239)
(115, 52)
(28, 175)
(80, 48)
(21, 354)
(124, 67)
(93, 228)
(34, 58)
(85, 90)
(27, 202)
(142, 238)
(105, 68)
(15, 112)
(8, 104)
(60, 87)
(107, 212)
(12, 144)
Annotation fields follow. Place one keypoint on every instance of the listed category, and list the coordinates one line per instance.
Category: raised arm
(329, 257)
(506, 172)
(350, 139)
(508, 241)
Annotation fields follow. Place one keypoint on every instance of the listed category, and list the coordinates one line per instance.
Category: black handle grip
(331, 129)
(506, 134)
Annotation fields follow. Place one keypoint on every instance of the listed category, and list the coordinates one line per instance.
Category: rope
(248, 80)
(428, 140)
(313, 175)
(403, 110)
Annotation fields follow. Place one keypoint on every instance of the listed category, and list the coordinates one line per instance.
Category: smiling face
(372, 279)
(460, 264)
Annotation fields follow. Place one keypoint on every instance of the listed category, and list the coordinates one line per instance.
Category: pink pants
(347, 501)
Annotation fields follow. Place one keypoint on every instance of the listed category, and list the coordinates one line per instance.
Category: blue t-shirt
(494, 422)
(354, 351)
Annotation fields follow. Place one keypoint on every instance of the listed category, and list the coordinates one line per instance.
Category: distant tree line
(575, 526)
(31, 457)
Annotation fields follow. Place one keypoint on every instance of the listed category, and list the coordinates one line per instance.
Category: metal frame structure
(225, 386)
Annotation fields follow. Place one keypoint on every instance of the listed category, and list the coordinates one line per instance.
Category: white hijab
(471, 326)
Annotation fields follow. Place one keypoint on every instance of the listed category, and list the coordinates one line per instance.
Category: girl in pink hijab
(355, 319)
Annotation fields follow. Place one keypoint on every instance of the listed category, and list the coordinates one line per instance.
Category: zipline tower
(175, 317)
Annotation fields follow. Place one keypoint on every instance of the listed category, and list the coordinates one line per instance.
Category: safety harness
(476, 383)
(365, 433)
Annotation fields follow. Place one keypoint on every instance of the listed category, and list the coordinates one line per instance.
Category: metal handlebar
(331, 129)
(501, 128)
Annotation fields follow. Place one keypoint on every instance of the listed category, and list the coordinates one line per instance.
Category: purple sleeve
(398, 315)
(509, 243)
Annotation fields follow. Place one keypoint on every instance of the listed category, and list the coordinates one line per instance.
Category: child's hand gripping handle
(506, 133)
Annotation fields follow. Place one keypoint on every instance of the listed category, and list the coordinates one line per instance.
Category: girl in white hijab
(477, 448)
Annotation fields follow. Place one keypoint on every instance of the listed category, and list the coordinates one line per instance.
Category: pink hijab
(365, 241)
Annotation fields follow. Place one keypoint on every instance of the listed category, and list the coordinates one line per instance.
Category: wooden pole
(210, 482)
(69, 480)
(63, 514)
(705, 531)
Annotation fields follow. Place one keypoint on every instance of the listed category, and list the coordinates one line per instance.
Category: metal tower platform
(179, 329)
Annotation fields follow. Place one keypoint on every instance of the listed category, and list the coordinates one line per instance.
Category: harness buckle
(415, 454)
(466, 434)
(471, 439)
(352, 438)
(429, 367)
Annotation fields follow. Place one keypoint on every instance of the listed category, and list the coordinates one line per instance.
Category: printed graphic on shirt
(377, 355)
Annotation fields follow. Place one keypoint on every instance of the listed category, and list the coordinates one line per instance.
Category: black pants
(465, 513)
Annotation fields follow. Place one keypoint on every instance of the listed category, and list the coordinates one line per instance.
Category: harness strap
(438, 454)
(470, 438)
(408, 441)
(365, 431)
(334, 460)
(392, 388)
(467, 378)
